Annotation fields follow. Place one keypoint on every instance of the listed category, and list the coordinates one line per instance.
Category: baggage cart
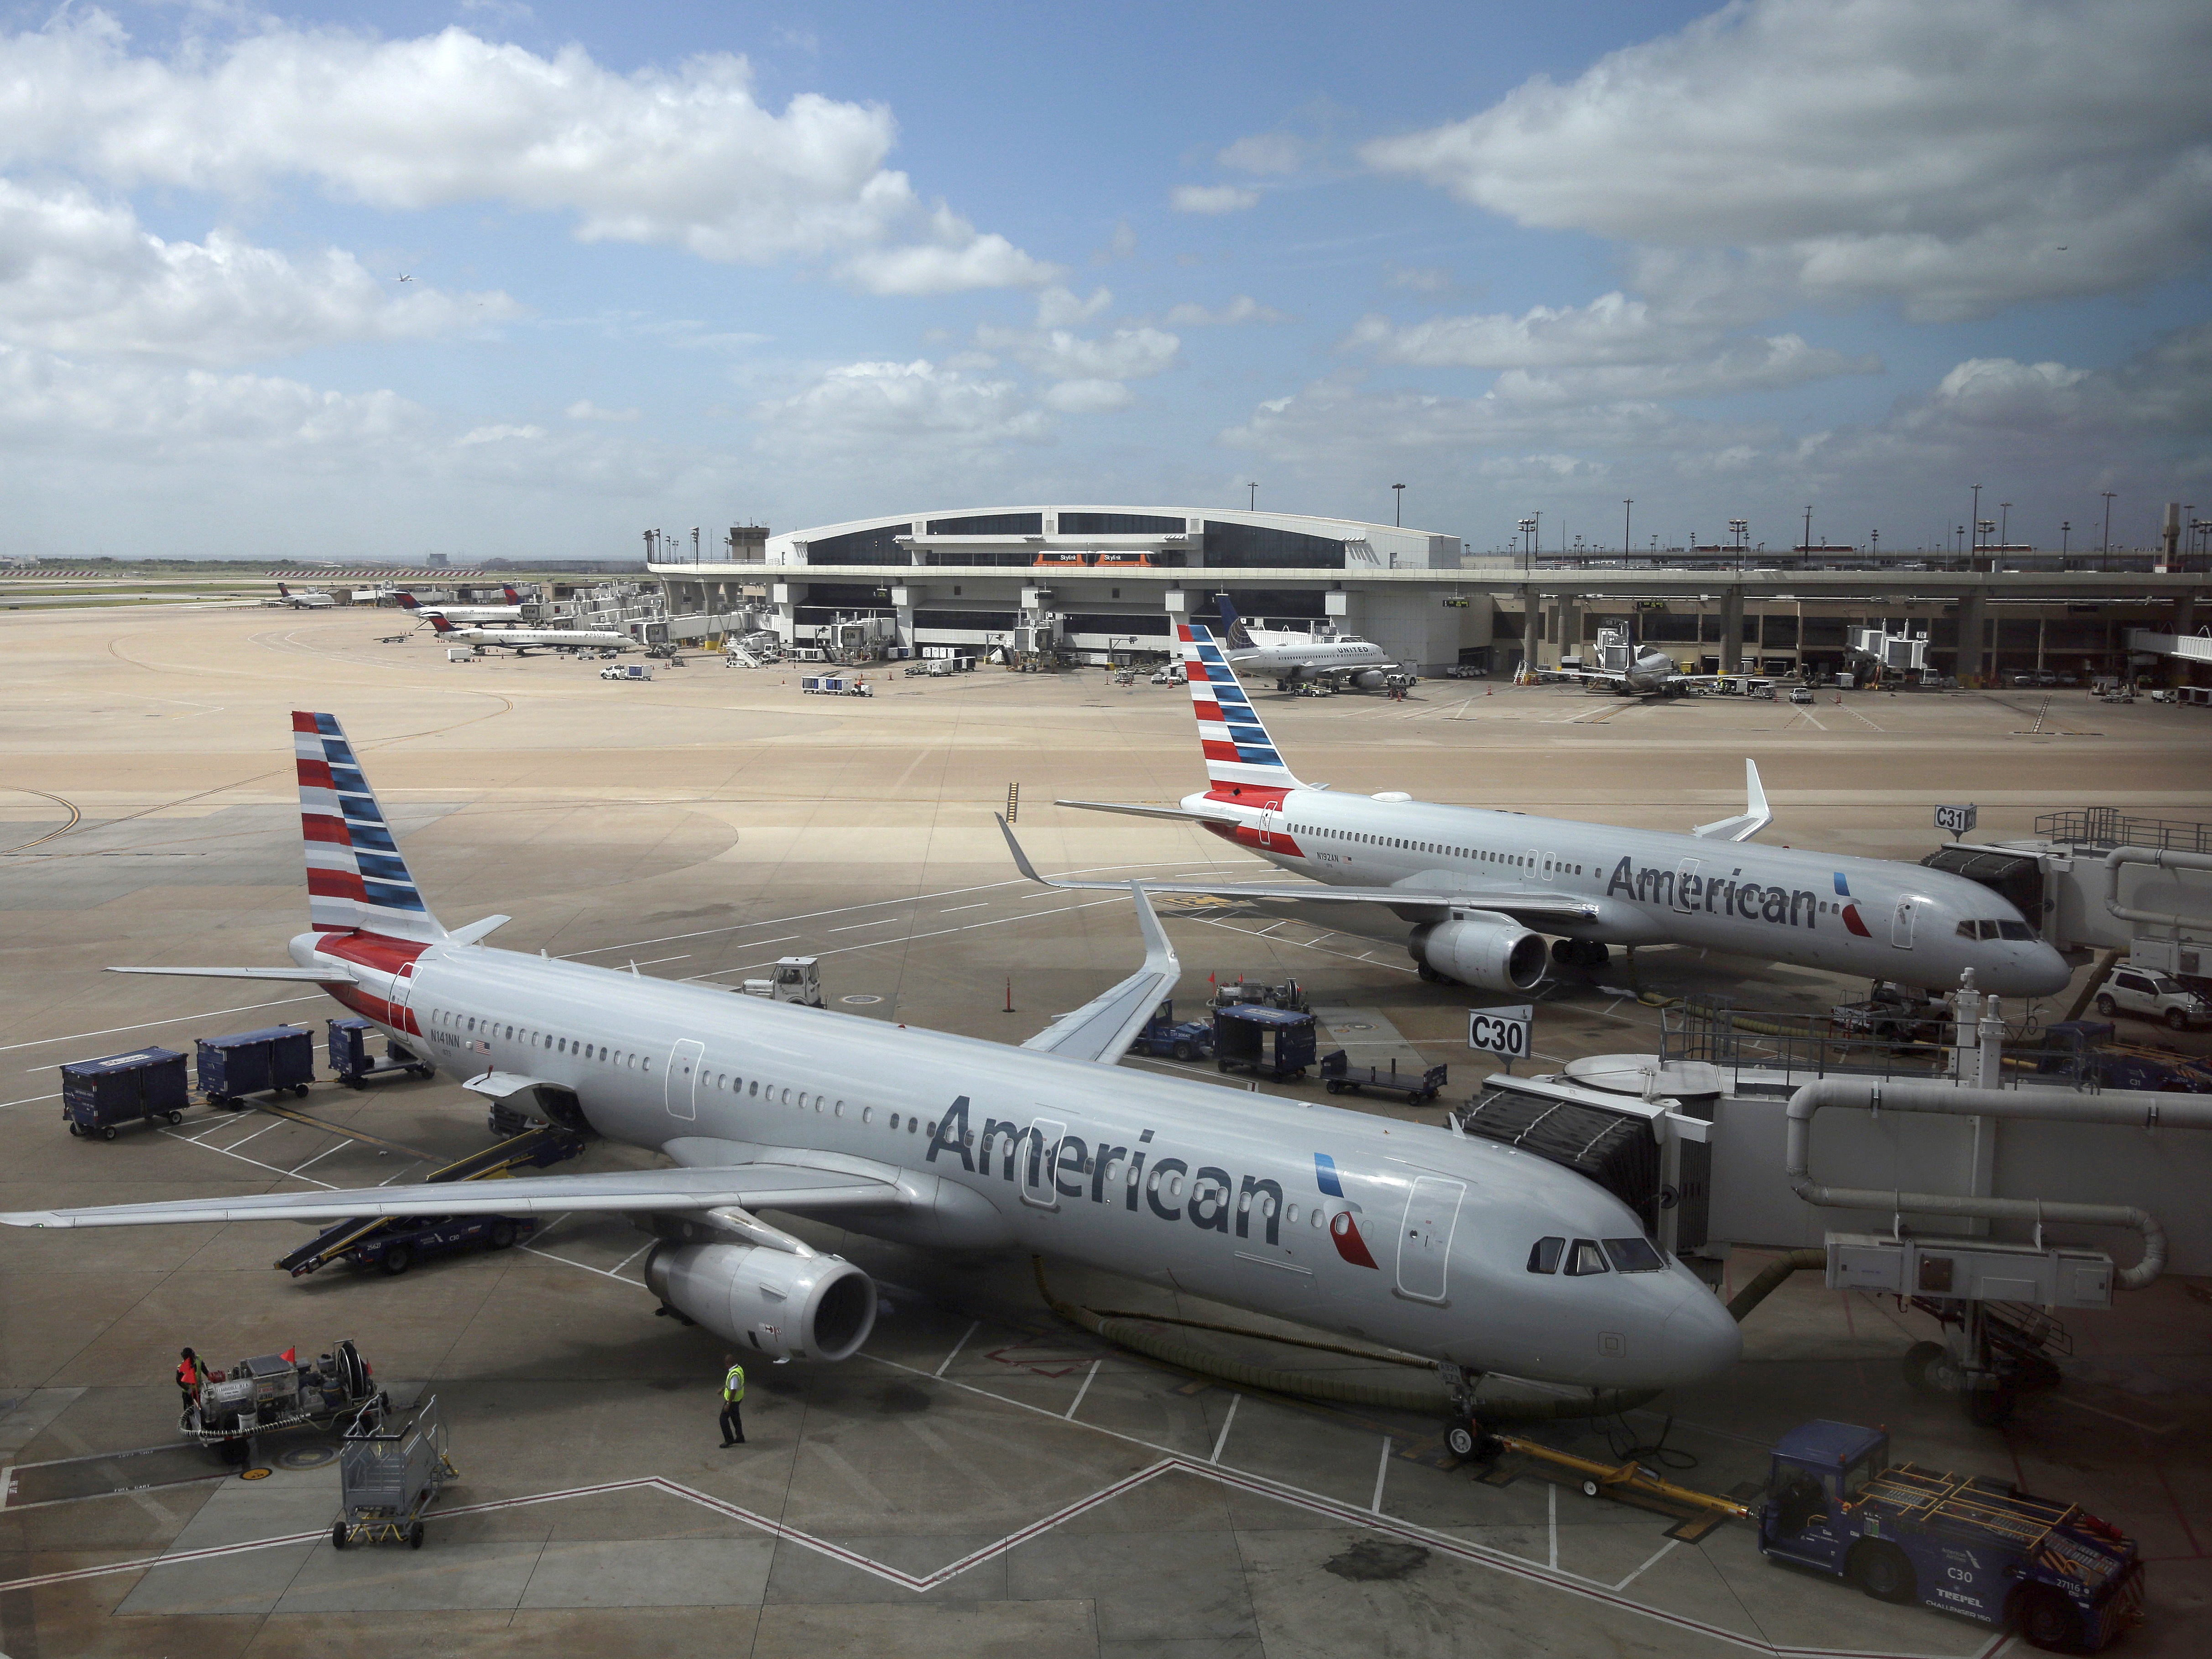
(1339, 1076)
(1276, 1043)
(388, 1477)
(255, 1062)
(352, 1062)
(145, 1086)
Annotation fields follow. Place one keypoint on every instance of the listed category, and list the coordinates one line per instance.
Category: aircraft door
(1425, 1241)
(1900, 925)
(1038, 1159)
(1683, 878)
(1270, 821)
(680, 1084)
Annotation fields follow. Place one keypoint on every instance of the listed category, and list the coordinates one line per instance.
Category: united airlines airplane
(1481, 887)
(1454, 1248)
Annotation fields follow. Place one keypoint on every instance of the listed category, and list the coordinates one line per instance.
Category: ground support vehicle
(387, 1478)
(146, 1085)
(796, 979)
(1835, 1503)
(396, 1242)
(2149, 995)
(275, 1391)
(1339, 1076)
(835, 685)
(626, 671)
(1276, 1043)
(1163, 1038)
(2084, 1049)
(255, 1062)
(351, 1060)
(1243, 992)
(1902, 1015)
(1311, 689)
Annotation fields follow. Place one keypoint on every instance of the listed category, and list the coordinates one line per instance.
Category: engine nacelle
(768, 1302)
(1481, 949)
(1368, 679)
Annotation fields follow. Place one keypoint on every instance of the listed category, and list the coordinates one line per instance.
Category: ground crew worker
(733, 1397)
(188, 1376)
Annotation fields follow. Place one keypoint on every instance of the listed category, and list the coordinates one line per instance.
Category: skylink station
(1108, 581)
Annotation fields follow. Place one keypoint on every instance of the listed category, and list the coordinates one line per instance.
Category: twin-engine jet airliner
(1454, 1248)
(511, 611)
(1644, 670)
(524, 640)
(1291, 657)
(1481, 887)
(306, 600)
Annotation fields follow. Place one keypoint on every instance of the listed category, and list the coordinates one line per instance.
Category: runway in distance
(1444, 1246)
(1480, 887)
(511, 611)
(1289, 657)
(523, 641)
(306, 600)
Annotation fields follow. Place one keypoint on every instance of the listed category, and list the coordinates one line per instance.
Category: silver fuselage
(1447, 1222)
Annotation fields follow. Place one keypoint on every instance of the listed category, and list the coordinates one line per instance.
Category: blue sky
(689, 265)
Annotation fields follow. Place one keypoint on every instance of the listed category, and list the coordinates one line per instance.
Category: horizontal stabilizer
(753, 1186)
(477, 930)
(1754, 818)
(332, 975)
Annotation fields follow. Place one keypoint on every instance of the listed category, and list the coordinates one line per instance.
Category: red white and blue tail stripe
(1241, 760)
(357, 878)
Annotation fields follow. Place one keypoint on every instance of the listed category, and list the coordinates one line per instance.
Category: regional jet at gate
(511, 611)
(1481, 887)
(1291, 657)
(1440, 1245)
(524, 640)
(306, 600)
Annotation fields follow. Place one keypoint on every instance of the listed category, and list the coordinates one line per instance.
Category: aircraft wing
(1532, 908)
(1152, 812)
(1101, 1028)
(1755, 816)
(749, 1186)
(282, 975)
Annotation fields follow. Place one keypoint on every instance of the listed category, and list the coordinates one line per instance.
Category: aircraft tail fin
(408, 601)
(283, 591)
(1241, 762)
(356, 877)
(513, 598)
(1232, 625)
(439, 624)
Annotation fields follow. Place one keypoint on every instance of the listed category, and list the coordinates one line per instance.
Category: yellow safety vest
(733, 1385)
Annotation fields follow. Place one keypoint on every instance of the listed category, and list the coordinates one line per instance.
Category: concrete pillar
(1732, 630)
(1971, 660)
(1571, 626)
(1532, 627)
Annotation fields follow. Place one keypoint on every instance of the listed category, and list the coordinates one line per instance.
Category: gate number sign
(1501, 1031)
(1957, 819)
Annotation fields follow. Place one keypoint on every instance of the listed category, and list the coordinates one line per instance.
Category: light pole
(1740, 529)
(2004, 525)
(1398, 506)
(1976, 520)
(2065, 535)
(2105, 551)
(1252, 501)
(1874, 537)
(1807, 549)
(1627, 502)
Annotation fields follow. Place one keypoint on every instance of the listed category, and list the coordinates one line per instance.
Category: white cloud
(957, 260)
(1610, 329)
(1058, 308)
(1953, 159)
(856, 411)
(1734, 367)
(78, 274)
(1089, 396)
(1212, 198)
(1242, 309)
(585, 410)
(1420, 279)
(687, 157)
(1264, 152)
(493, 435)
(1125, 354)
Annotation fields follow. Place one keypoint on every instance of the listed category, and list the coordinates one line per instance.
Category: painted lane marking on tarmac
(147, 1026)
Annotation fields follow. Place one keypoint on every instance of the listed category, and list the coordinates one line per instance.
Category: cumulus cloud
(861, 409)
(1212, 198)
(957, 259)
(1242, 309)
(1737, 366)
(1610, 329)
(495, 434)
(78, 274)
(1264, 152)
(1058, 308)
(686, 158)
(1124, 354)
(1953, 160)
(1089, 396)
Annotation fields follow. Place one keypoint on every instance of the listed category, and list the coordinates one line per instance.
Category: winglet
(1021, 859)
(1755, 816)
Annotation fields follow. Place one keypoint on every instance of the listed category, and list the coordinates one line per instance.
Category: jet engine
(1368, 679)
(1481, 948)
(769, 1301)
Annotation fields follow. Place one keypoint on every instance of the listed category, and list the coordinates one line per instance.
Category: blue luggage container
(145, 1085)
(1244, 1033)
(254, 1062)
(353, 1064)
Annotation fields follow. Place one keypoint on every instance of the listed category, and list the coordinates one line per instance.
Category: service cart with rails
(145, 1086)
(1163, 1038)
(355, 1065)
(255, 1062)
(275, 1391)
(1340, 1076)
(388, 1477)
(1276, 1044)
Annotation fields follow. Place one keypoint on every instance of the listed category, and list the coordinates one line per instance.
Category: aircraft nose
(1700, 1337)
(2031, 971)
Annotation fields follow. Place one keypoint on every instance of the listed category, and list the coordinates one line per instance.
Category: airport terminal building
(1113, 579)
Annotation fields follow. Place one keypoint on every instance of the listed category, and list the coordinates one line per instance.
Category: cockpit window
(1544, 1257)
(1634, 1255)
(2015, 930)
(1583, 1257)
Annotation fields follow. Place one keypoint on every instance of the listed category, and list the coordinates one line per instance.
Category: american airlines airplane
(1454, 1248)
(1291, 657)
(1480, 887)
(523, 641)
(511, 611)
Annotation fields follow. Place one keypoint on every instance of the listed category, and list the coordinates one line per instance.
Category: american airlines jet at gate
(1480, 886)
(1444, 1246)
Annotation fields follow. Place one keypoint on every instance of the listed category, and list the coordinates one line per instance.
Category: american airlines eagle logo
(1343, 1230)
(1850, 910)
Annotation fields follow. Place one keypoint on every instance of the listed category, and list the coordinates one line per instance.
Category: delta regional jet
(1437, 1245)
(511, 611)
(524, 640)
(1480, 887)
(306, 599)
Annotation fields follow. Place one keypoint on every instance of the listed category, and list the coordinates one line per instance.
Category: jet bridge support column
(1532, 627)
(1571, 626)
(1732, 630)
(1969, 665)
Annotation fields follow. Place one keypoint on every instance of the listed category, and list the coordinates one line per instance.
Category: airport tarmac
(983, 1478)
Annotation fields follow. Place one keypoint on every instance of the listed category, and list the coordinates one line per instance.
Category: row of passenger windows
(1587, 1256)
(1518, 861)
(477, 1025)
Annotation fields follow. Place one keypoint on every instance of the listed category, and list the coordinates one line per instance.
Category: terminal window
(993, 523)
(1118, 524)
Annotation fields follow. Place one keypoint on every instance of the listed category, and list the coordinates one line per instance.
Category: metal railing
(1789, 1049)
(2106, 827)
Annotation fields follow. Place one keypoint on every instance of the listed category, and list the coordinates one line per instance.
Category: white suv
(2153, 996)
